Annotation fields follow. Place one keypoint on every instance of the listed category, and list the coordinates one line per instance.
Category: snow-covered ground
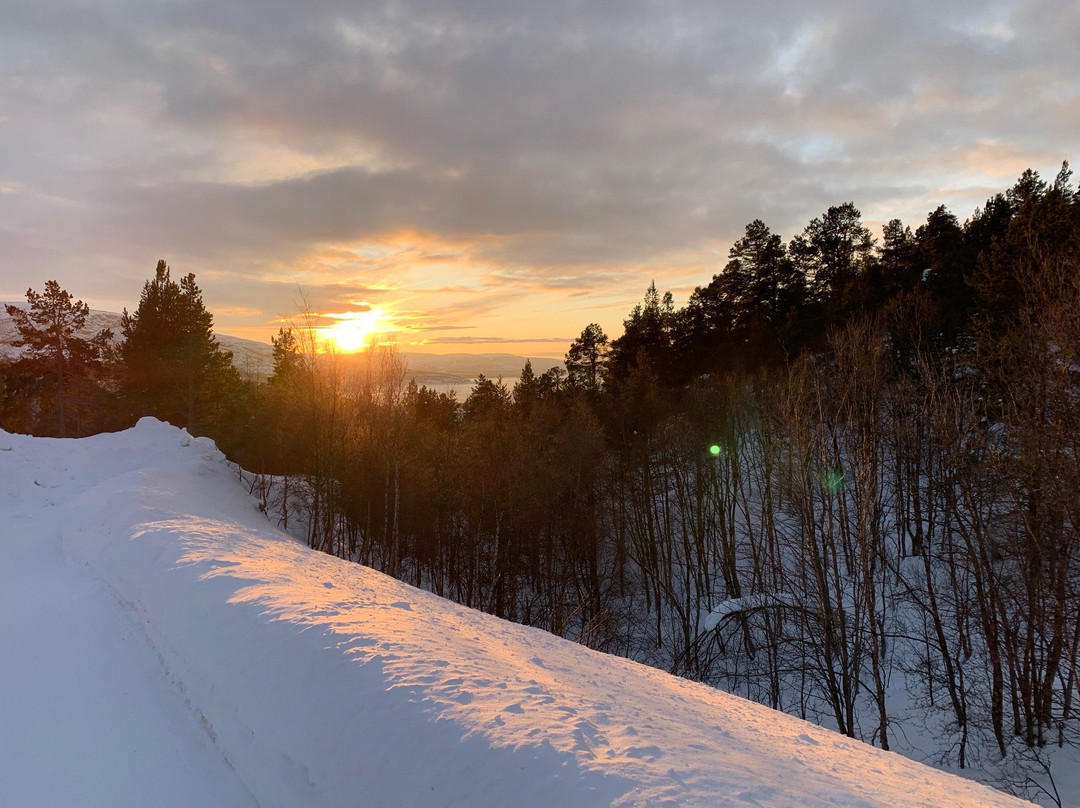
(163, 645)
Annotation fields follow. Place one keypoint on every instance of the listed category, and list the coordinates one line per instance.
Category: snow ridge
(324, 683)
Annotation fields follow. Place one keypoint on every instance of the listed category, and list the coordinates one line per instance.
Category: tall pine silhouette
(173, 367)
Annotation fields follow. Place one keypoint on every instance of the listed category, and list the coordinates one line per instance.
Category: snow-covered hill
(163, 645)
(95, 322)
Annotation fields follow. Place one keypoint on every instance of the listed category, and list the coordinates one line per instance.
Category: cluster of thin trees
(878, 533)
(841, 539)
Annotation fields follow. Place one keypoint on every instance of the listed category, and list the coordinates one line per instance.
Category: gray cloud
(556, 146)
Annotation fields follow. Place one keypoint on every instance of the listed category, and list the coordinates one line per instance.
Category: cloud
(516, 153)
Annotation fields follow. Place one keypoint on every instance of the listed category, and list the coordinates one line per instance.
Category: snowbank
(323, 683)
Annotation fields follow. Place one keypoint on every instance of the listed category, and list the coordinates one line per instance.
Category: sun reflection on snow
(518, 687)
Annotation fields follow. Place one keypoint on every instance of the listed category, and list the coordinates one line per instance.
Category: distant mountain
(94, 323)
(255, 359)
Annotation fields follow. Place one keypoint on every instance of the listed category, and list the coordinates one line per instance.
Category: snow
(725, 609)
(164, 645)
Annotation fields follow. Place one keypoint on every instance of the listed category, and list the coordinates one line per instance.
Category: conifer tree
(527, 390)
(586, 359)
(831, 252)
(288, 360)
(173, 367)
(647, 336)
(488, 400)
(760, 280)
(753, 299)
(280, 400)
(898, 268)
(48, 333)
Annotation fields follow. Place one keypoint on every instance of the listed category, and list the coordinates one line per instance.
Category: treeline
(840, 481)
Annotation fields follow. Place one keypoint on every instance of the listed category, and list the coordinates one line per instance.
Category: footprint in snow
(649, 753)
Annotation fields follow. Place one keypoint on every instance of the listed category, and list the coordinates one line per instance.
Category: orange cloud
(995, 158)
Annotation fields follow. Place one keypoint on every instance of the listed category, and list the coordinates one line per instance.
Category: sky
(494, 176)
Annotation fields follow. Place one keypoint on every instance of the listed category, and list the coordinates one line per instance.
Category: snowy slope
(86, 717)
(289, 678)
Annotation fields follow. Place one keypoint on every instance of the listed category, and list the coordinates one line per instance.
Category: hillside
(250, 357)
(166, 646)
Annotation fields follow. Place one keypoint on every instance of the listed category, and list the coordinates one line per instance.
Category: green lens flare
(834, 481)
(714, 450)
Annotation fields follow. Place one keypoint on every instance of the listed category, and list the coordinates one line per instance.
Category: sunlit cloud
(238, 311)
(519, 171)
(1003, 161)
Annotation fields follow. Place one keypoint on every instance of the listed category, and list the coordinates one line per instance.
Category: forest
(840, 481)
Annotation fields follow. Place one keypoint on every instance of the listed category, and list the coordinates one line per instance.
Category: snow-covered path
(86, 718)
(162, 645)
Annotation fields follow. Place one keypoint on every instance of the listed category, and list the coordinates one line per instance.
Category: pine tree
(173, 367)
(488, 400)
(897, 263)
(48, 333)
(1037, 237)
(586, 359)
(759, 291)
(551, 382)
(832, 251)
(759, 279)
(527, 390)
(647, 336)
(281, 441)
(287, 361)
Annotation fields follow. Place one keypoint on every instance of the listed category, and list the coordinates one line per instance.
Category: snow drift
(323, 683)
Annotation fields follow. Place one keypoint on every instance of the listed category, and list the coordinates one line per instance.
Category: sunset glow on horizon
(353, 331)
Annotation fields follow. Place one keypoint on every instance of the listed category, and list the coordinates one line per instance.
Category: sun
(353, 330)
